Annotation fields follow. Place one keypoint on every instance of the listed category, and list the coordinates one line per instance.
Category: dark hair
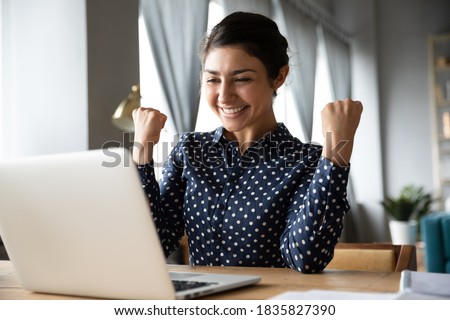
(254, 33)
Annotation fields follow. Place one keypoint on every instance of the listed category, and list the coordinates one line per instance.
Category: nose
(226, 93)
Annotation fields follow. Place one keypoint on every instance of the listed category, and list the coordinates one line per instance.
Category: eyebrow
(235, 72)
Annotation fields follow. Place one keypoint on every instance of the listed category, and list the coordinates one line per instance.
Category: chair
(377, 257)
(435, 231)
(361, 256)
(181, 255)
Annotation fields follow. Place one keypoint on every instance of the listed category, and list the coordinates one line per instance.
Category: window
(322, 93)
(206, 119)
(1, 80)
(283, 104)
(151, 90)
(152, 94)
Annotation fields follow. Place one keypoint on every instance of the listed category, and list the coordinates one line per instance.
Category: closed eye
(212, 80)
(242, 79)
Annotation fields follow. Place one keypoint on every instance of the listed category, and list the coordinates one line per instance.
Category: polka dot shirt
(280, 204)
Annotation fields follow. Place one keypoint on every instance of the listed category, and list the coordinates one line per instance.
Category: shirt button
(220, 206)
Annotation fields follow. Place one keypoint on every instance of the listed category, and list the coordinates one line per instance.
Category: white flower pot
(403, 232)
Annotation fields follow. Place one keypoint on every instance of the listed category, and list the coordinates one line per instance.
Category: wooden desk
(274, 281)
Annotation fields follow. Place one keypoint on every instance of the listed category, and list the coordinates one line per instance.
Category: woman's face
(239, 91)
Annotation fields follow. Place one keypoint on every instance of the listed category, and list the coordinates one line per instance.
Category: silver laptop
(80, 224)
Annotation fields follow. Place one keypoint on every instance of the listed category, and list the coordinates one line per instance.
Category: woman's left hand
(340, 119)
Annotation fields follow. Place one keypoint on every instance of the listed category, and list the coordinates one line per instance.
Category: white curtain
(338, 55)
(2, 122)
(301, 34)
(263, 7)
(175, 29)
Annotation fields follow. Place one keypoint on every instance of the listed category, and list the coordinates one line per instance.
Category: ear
(284, 70)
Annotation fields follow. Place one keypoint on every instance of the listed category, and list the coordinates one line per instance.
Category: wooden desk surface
(274, 281)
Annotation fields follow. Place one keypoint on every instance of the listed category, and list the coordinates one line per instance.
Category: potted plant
(405, 212)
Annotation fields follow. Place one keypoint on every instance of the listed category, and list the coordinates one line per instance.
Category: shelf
(443, 139)
(443, 104)
(439, 55)
(442, 69)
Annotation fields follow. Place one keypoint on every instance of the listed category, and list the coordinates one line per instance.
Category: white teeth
(232, 110)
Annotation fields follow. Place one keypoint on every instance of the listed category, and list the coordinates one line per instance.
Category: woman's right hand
(148, 124)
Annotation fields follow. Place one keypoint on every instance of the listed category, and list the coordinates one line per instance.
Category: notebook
(80, 224)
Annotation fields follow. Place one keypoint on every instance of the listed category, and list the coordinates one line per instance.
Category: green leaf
(412, 204)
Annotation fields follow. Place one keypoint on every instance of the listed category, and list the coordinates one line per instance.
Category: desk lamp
(122, 117)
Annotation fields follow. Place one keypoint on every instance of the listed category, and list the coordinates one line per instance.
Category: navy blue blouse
(279, 204)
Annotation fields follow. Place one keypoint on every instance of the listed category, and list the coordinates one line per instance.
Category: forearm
(337, 149)
(169, 228)
(314, 228)
(143, 153)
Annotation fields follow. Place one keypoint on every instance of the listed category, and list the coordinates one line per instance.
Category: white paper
(334, 295)
(413, 286)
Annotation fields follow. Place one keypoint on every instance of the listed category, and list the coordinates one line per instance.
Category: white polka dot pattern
(280, 204)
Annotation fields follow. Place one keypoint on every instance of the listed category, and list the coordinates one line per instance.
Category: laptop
(80, 224)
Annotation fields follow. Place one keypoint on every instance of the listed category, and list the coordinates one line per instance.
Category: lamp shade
(122, 117)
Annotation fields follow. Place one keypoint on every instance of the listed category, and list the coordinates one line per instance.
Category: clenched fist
(148, 124)
(340, 120)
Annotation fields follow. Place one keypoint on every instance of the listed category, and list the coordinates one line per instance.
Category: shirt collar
(280, 134)
(218, 134)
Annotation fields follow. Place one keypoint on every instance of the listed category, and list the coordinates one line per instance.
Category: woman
(249, 193)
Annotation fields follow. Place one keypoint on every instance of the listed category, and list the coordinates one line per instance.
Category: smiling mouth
(232, 110)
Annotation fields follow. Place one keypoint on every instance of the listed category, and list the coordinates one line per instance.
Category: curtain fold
(338, 55)
(175, 29)
(263, 7)
(301, 34)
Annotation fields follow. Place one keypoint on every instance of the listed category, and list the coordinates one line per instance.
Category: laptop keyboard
(180, 285)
